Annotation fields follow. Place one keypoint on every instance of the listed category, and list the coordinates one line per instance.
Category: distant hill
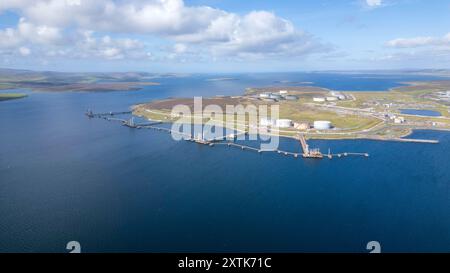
(66, 81)
(429, 72)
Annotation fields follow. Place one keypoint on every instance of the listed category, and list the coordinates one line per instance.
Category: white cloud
(374, 3)
(424, 50)
(88, 46)
(28, 32)
(41, 34)
(179, 48)
(257, 34)
(419, 42)
(24, 51)
(213, 31)
(9, 38)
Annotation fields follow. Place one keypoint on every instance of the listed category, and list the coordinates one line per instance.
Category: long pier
(413, 140)
(90, 114)
(282, 152)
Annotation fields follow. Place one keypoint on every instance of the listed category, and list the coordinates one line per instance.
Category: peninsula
(11, 96)
(319, 113)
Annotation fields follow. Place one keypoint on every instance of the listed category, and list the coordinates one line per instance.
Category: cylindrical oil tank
(319, 99)
(332, 98)
(266, 122)
(322, 125)
(275, 96)
(291, 97)
(284, 123)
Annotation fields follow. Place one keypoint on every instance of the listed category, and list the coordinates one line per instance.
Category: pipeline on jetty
(307, 152)
(91, 114)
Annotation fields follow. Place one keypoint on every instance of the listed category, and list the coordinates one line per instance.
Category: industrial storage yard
(319, 113)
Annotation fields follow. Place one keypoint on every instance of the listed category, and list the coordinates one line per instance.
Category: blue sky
(224, 36)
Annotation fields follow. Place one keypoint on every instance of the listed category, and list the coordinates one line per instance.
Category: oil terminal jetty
(226, 140)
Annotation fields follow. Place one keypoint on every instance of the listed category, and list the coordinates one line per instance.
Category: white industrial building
(399, 120)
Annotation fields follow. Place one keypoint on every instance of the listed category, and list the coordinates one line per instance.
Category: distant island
(221, 79)
(78, 82)
(11, 96)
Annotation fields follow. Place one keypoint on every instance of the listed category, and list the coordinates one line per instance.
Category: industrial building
(301, 125)
(399, 120)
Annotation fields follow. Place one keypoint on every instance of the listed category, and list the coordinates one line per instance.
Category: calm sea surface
(64, 177)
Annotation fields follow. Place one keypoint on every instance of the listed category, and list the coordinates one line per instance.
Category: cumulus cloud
(263, 32)
(426, 49)
(213, 31)
(87, 45)
(28, 32)
(419, 42)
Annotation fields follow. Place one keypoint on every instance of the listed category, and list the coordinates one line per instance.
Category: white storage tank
(322, 125)
(266, 122)
(283, 123)
(275, 96)
(319, 99)
(332, 98)
(290, 97)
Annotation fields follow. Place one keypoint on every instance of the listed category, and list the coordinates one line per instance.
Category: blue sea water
(64, 177)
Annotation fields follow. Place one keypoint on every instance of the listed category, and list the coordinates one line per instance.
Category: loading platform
(307, 152)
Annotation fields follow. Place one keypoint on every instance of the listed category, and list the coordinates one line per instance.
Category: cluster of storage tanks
(287, 123)
(280, 123)
(335, 96)
(282, 95)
